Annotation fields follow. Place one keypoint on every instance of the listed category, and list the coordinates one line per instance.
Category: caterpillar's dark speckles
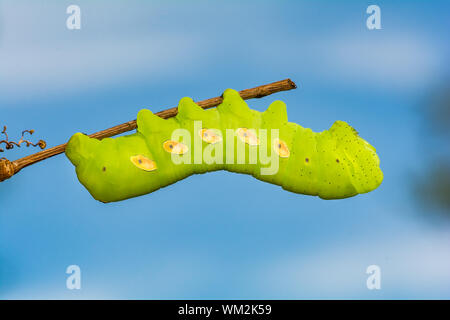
(337, 160)
(104, 169)
(306, 160)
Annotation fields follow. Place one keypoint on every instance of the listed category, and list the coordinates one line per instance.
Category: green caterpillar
(332, 164)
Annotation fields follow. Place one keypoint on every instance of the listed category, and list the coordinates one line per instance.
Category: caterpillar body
(331, 164)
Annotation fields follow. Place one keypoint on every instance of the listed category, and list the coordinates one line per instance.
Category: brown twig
(9, 168)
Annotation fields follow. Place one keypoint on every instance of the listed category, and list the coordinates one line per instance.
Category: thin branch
(8, 168)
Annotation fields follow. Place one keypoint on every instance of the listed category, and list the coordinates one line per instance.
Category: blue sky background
(189, 241)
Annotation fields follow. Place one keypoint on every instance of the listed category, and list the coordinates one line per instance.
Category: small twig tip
(292, 83)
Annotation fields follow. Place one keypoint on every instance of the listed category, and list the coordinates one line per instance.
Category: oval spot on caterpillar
(175, 147)
(209, 136)
(143, 162)
(281, 148)
(247, 136)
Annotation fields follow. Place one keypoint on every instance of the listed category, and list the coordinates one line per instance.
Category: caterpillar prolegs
(332, 164)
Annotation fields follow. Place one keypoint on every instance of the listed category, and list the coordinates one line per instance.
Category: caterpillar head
(112, 166)
(80, 147)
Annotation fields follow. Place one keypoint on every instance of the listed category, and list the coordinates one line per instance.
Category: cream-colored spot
(281, 148)
(175, 147)
(209, 136)
(143, 163)
(248, 136)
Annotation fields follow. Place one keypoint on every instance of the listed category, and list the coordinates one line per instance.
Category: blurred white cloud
(175, 276)
(39, 55)
(120, 43)
(96, 62)
(389, 61)
(408, 269)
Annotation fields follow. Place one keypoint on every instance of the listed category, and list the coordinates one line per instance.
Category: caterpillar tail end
(361, 158)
